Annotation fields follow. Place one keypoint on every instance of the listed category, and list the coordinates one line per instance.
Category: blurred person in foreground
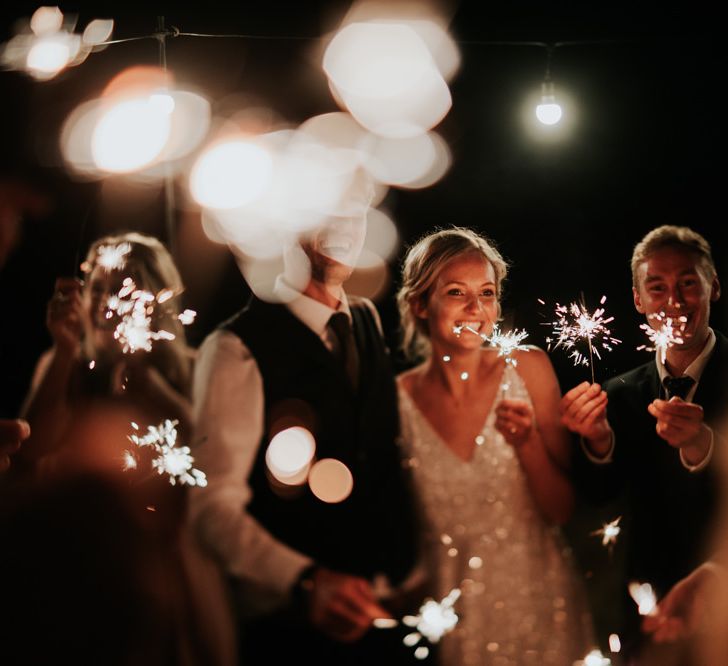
(17, 199)
(310, 576)
(85, 396)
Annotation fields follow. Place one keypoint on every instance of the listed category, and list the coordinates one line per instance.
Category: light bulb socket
(547, 91)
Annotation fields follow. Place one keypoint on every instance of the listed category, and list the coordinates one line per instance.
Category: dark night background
(647, 149)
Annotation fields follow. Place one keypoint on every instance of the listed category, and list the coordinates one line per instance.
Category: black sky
(648, 149)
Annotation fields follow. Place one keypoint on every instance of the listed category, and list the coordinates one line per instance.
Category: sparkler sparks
(574, 323)
(665, 336)
(135, 308)
(609, 532)
(594, 658)
(507, 342)
(172, 459)
(113, 257)
(644, 597)
(433, 622)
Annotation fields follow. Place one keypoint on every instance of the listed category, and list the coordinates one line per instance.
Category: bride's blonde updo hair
(420, 269)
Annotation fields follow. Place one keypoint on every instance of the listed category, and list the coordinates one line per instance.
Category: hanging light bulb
(548, 111)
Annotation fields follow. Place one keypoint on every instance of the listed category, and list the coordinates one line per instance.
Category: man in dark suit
(651, 432)
(312, 569)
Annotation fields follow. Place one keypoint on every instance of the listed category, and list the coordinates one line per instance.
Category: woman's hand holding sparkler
(514, 420)
(64, 316)
(584, 412)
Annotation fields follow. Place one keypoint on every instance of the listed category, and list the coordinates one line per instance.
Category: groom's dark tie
(341, 325)
(679, 386)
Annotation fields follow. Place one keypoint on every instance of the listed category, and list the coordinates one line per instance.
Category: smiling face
(673, 281)
(463, 295)
(334, 248)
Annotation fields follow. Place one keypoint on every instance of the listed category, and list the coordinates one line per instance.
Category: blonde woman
(488, 455)
(86, 370)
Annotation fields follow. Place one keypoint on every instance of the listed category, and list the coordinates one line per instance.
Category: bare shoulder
(407, 379)
(534, 365)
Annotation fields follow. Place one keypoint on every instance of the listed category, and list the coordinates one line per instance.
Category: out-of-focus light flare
(409, 162)
(644, 597)
(385, 75)
(49, 55)
(330, 480)
(615, 644)
(382, 238)
(99, 30)
(123, 134)
(46, 20)
(594, 658)
(130, 135)
(231, 174)
(45, 45)
(431, 28)
(289, 455)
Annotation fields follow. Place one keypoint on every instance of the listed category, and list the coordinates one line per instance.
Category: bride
(488, 454)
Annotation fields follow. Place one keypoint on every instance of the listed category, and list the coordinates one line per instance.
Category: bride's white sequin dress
(522, 601)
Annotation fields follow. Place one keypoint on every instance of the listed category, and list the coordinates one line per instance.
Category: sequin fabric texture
(522, 601)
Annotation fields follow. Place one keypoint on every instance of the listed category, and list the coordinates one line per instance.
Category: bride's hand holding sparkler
(514, 420)
(584, 412)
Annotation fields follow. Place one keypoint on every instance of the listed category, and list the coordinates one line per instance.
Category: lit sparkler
(433, 622)
(574, 323)
(609, 532)
(458, 331)
(664, 337)
(135, 308)
(507, 342)
(113, 257)
(171, 459)
(644, 597)
(594, 658)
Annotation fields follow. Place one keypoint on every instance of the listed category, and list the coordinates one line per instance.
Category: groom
(652, 432)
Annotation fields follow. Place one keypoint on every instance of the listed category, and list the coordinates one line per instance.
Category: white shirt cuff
(703, 463)
(599, 460)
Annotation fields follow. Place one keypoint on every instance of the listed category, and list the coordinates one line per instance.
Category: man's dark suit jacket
(668, 511)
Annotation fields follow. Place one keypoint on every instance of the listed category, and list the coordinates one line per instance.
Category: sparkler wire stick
(588, 338)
